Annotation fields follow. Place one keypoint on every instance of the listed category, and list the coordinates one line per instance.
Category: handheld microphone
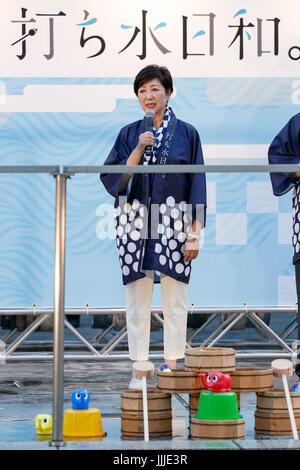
(149, 115)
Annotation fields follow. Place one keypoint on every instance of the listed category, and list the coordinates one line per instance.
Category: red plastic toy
(216, 382)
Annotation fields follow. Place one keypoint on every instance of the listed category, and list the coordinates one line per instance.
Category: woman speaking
(158, 217)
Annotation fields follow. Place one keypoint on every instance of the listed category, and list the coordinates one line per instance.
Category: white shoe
(135, 384)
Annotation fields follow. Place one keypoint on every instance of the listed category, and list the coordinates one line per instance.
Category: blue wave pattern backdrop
(246, 251)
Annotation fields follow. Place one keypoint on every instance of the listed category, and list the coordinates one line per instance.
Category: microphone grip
(149, 127)
(148, 150)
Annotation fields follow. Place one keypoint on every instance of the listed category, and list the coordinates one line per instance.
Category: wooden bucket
(159, 425)
(275, 423)
(217, 429)
(194, 403)
(209, 359)
(179, 381)
(159, 413)
(274, 401)
(251, 379)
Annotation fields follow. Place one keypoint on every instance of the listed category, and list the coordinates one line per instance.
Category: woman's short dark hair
(149, 73)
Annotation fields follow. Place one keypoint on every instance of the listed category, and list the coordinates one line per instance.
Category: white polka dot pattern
(158, 248)
(135, 235)
(122, 250)
(296, 221)
(162, 259)
(128, 259)
(123, 219)
(135, 266)
(179, 268)
(129, 222)
(126, 270)
(176, 256)
(170, 201)
(131, 247)
(172, 244)
(168, 249)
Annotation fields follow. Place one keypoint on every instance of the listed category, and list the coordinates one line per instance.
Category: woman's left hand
(191, 249)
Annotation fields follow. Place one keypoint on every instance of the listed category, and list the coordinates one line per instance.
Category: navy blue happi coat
(285, 149)
(153, 214)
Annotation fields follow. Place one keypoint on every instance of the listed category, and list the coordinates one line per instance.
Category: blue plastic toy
(296, 388)
(80, 399)
(80, 420)
(165, 368)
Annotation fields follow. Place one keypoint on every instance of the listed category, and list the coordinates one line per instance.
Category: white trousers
(138, 317)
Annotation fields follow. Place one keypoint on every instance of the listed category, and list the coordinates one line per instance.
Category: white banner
(109, 38)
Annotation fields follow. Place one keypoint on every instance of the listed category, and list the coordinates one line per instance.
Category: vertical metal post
(59, 310)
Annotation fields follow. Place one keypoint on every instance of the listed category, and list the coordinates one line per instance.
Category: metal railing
(62, 174)
(103, 346)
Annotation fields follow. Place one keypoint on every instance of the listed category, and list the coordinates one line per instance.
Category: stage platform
(26, 390)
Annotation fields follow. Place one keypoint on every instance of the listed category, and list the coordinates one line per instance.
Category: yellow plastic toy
(43, 424)
(83, 423)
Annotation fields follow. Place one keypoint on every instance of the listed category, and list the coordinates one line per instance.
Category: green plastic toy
(218, 406)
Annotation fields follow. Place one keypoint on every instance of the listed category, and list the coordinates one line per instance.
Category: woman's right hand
(145, 139)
